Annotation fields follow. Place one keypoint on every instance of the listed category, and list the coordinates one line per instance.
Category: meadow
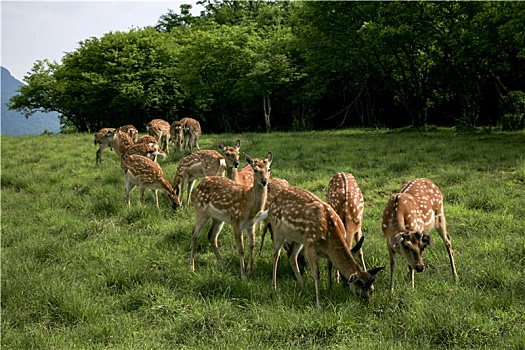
(81, 270)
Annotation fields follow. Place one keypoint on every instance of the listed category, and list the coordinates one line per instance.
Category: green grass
(81, 270)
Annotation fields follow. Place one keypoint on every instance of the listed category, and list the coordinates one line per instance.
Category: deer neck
(343, 260)
(232, 173)
(256, 196)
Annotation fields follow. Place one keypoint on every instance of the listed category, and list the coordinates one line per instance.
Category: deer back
(131, 131)
(231, 202)
(346, 198)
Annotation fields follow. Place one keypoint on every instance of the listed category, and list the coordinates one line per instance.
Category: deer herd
(299, 221)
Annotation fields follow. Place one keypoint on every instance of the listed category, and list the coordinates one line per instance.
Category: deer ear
(354, 279)
(248, 158)
(269, 157)
(238, 144)
(221, 146)
(398, 239)
(375, 271)
(357, 246)
(427, 240)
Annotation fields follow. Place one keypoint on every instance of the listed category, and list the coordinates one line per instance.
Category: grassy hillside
(82, 270)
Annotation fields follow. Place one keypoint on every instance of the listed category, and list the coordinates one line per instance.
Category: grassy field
(81, 270)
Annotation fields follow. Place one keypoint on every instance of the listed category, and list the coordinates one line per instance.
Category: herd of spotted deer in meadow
(306, 226)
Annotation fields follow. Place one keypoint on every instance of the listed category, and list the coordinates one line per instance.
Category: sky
(38, 30)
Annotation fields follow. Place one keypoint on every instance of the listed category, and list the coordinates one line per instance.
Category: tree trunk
(267, 111)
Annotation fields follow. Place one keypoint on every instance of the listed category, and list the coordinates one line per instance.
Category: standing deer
(150, 140)
(160, 129)
(407, 219)
(205, 163)
(192, 133)
(122, 144)
(344, 195)
(101, 142)
(223, 200)
(118, 140)
(145, 173)
(299, 216)
(131, 131)
(177, 134)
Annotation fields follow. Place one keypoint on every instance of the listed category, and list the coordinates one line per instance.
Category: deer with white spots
(101, 142)
(131, 131)
(147, 174)
(160, 130)
(345, 196)
(223, 200)
(192, 133)
(408, 217)
(205, 163)
(123, 145)
(177, 134)
(299, 216)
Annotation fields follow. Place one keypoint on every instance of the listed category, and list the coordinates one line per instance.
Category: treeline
(280, 65)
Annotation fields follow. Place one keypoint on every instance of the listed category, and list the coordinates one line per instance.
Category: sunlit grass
(82, 270)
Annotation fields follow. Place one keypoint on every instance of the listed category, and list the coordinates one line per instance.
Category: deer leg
(392, 267)
(129, 186)
(277, 245)
(237, 233)
(101, 149)
(251, 240)
(201, 220)
(441, 227)
(296, 249)
(213, 235)
(311, 255)
(155, 198)
(190, 188)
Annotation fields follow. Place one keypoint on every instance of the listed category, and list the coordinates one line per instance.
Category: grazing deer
(407, 219)
(205, 163)
(131, 131)
(177, 134)
(192, 133)
(299, 216)
(160, 129)
(101, 142)
(122, 144)
(145, 173)
(223, 200)
(344, 195)
(150, 140)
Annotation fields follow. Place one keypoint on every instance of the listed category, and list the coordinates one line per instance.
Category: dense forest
(280, 65)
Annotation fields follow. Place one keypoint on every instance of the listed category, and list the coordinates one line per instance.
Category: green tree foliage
(263, 65)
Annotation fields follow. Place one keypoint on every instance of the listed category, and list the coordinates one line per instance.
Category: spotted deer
(345, 196)
(192, 133)
(299, 216)
(118, 140)
(205, 163)
(101, 142)
(177, 134)
(407, 219)
(223, 200)
(147, 174)
(122, 144)
(150, 140)
(131, 131)
(160, 129)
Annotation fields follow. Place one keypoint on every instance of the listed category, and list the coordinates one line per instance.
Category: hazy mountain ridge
(13, 122)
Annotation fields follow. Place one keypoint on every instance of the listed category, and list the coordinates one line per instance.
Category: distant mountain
(13, 122)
